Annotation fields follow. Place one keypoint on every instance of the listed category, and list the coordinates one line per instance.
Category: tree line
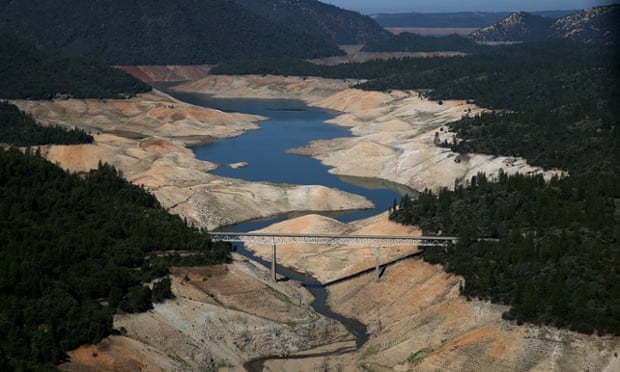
(514, 77)
(20, 129)
(29, 73)
(548, 249)
(74, 249)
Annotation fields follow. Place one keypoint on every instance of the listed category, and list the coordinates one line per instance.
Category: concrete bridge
(378, 241)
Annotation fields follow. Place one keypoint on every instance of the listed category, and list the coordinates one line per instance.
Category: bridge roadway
(377, 241)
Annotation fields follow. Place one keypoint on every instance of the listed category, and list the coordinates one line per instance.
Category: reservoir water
(290, 124)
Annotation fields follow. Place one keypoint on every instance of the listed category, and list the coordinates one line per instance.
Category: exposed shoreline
(393, 133)
(228, 314)
(147, 139)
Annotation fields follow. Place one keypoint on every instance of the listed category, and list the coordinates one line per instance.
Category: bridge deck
(377, 241)
(334, 239)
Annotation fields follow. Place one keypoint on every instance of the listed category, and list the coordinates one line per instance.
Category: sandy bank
(221, 317)
(328, 263)
(308, 89)
(393, 132)
(146, 137)
(149, 114)
(418, 321)
(169, 73)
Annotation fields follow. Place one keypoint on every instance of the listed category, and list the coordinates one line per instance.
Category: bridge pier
(365, 241)
(377, 271)
(273, 262)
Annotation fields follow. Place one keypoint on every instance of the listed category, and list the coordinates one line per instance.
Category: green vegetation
(516, 77)
(331, 23)
(417, 357)
(26, 72)
(408, 42)
(551, 250)
(580, 137)
(73, 249)
(20, 129)
(161, 32)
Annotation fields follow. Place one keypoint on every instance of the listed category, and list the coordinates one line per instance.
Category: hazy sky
(399, 6)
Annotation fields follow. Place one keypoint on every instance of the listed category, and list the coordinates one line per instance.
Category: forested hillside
(332, 23)
(20, 129)
(550, 250)
(408, 42)
(156, 31)
(449, 20)
(598, 25)
(515, 77)
(26, 72)
(73, 251)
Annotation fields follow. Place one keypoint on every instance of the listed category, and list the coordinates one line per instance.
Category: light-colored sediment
(415, 316)
(328, 263)
(394, 132)
(356, 55)
(416, 308)
(308, 89)
(148, 114)
(169, 73)
(395, 140)
(221, 317)
(418, 321)
(145, 138)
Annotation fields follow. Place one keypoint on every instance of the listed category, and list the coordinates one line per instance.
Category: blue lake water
(290, 124)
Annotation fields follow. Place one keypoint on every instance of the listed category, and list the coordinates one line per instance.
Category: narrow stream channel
(290, 124)
(355, 327)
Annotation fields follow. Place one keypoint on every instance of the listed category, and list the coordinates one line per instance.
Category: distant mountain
(452, 20)
(157, 31)
(595, 25)
(516, 27)
(335, 24)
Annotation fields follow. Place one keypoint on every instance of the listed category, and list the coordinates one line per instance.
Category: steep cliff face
(595, 25)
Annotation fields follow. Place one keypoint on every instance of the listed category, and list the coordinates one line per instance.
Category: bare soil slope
(221, 317)
(394, 133)
(146, 138)
(418, 321)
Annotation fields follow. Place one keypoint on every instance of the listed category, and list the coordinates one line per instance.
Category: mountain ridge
(156, 31)
(338, 25)
(593, 25)
(454, 19)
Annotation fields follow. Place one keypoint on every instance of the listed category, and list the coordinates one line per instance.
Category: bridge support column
(273, 262)
(377, 272)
